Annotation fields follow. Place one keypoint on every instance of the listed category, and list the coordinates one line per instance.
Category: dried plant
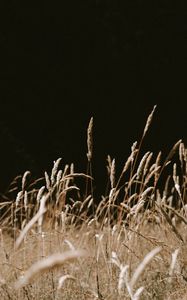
(149, 120)
(90, 139)
(142, 211)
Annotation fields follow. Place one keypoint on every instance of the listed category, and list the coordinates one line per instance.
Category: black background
(63, 62)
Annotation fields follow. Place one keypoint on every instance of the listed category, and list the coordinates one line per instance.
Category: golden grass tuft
(133, 240)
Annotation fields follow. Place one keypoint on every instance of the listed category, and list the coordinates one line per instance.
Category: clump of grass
(134, 237)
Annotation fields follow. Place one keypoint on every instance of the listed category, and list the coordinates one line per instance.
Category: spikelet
(129, 161)
(90, 203)
(173, 263)
(123, 278)
(132, 197)
(150, 174)
(90, 139)
(181, 152)
(42, 209)
(149, 120)
(55, 170)
(47, 180)
(133, 147)
(130, 158)
(115, 260)
(138, 292)
(40, 193)
(58, 177)
(147, 163)
(25, 200)
(142, 265)
(112, 174)
(158, 159)
(142, 164)
(109, 163)
(172, 151)
(24, 179)
(28, 227)
(157, 167)
(146, 192)
(70, 245)
(18, 198)
(84, 203)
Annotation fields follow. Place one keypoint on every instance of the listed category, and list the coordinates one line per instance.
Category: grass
(58, 242)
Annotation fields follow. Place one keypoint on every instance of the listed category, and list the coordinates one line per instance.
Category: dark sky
(66, 61)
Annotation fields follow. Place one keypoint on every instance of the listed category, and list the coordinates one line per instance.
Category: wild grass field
(59, 242)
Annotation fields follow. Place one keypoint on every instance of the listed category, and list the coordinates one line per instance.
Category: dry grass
(57, 242)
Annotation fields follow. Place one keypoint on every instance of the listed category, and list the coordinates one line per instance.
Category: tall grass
(58, 242)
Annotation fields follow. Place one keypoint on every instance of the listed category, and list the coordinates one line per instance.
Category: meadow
(58, 242)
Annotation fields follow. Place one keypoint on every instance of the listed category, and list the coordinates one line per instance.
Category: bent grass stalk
(48, 263)
(28, 227)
